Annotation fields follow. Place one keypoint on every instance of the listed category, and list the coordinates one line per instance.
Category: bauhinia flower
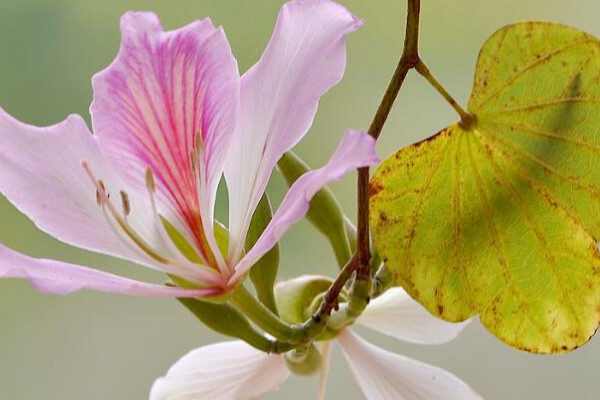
(170, 117)
(235, 371)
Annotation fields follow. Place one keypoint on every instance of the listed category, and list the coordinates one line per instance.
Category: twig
(360, 262)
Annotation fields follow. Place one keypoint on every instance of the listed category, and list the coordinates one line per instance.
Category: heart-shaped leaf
(502, 218)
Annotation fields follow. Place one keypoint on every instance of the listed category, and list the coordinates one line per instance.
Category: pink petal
(41, 174)
(50, 276)
(395, 313)
(161, 90)
(279, 96)
(357, 149)
(383, 375)
(224, 371)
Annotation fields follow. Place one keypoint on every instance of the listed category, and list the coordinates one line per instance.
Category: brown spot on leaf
(375, 188)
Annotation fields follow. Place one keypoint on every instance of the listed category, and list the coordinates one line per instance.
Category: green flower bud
(305, 361)
(298, 299)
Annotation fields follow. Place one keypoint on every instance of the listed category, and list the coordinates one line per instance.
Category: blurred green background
(95, 346)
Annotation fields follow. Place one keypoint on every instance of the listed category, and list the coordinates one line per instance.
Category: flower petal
(224, 371)
(56, 277)
(383, 375)
(357, 149)
(42, 175)
(279, 96)
(396, 314)
(164, 91)
(326, 348)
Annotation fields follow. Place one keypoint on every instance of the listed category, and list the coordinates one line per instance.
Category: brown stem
(331, 296)
(408, 60)
(361, 260)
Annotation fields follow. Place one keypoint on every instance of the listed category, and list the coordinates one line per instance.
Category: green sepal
(225, 319)
(220, 232)
(222, 238)
(305, 361)
(299, 298)
(325, 212)
(217, 299)
(180, 242)
(264, 272)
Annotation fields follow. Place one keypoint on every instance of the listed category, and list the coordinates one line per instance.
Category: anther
(125, 202)
(98, 198)
(194, 160)
(150, 183)
(199, 143)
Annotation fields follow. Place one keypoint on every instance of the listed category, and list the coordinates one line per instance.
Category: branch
(408, 60)
(360, 262)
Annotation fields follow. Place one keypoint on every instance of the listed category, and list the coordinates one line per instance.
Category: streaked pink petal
(56, 277)
(162, 90)
(383, 375)
(395, 313)
(224, 371)
(279, 96)
(357, 149)
(41, 174)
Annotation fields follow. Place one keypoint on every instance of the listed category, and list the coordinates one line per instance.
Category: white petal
(279, 96)
(356, 149)
(42, 175)
(326, 354)
(57, 277)
(162, 91)
(383, 375)
(224, 371)
(396, 314)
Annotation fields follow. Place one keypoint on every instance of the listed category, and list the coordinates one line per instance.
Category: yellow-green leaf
(502, 218)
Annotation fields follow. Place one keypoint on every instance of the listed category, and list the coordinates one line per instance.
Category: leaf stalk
(466, 118)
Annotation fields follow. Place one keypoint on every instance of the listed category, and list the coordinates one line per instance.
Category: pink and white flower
(235, 371)
(171, 116)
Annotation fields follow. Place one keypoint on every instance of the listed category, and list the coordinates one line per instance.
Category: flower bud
(298, 299)
(305, 361)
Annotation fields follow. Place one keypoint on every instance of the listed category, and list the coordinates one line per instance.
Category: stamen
(181, 259)
(106, 202)
(150, 183)
(194, 161)
(199, 144)
(191, 272)
(200, 183)
(182, 273)
(125, 203)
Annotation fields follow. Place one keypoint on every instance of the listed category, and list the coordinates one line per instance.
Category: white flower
(235, 371)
